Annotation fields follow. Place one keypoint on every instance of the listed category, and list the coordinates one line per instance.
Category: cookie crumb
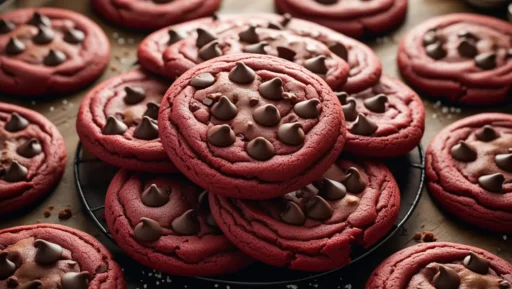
(51, 207)
(47, 213)
(429, 237)
(65, 214)
(417, 236)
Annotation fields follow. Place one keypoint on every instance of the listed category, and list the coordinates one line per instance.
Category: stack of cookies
(247, 138)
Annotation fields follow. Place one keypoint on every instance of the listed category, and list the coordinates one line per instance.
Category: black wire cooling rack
(92, 178)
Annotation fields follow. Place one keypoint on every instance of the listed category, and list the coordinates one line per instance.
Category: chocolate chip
(486, 60)
(463, 152)
(468, 35)
(203, 80)
(287, 18)
(147, 230)
(146, 130)
(350, 110)
(446, 278)
(363, 126)
(152, 109)
(353, 181)
(291, 133)
(74, 36)
(467, 48)
(73, 280)
(186, 224)
(435, 50)
(15, 173)
(376, 103)
(267, 115)
(30, 148)
(204, 37)
(430, 38)
(319, 209)
(342, 97)
(340, 50)
(224, 109)
(215, 16)
(307, 108)
(492, 183)
(260, 149)
(275, 25)
(44, 35)
(47, 252)
(39, 19)
(249, 35)
(35, 284)
(54, 58)
(286, 53)
(175, 36)
(487, 134)
(272, 89)
(134, 95)
(6, 26)
(221, 135)
(114, 126)
(210, 50)
(242, 74)
(317, 64)
(293, 215)
(327, 2)
(16, 123)
(332, 190)
(7, 267)
(258, 48)
(504, 161)
(155, 197)
(14, 46)
(476, 263)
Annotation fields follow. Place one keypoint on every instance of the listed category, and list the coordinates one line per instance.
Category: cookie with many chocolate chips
(117, 122)
(460, 58)
(48, 51)
(153, 14)
(386, 120)
(251, 126)
(469, 170)
(442, 266)
(164, 222)
(54, 256)
(355, 203)
(32, 157)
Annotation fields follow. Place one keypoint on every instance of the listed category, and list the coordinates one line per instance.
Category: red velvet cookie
(251, 126)
(117, 122)
(442, 266)
(164, 222)
(54, 256)
(355, 203)
(386, 120)
(32, 157)
(353, 18)
(469, 170)
(48, 51)
(153, 14)
(461, 58)
(365, 67)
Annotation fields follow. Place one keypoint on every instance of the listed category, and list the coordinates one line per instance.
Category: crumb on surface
(47, 213)
(65, 214)
(51, 207)
(429, 237)
(417, 236)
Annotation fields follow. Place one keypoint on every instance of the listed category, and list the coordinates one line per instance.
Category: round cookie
(355, 203)
(386, 120)
(251, 126)
(153, 14)
(54, 256)
(353, 18)
(460, 58)
(117, 122)
(442, 266)
(32, 157)
(365, 67)
(469, 170)
(48, 51)
(164, 222)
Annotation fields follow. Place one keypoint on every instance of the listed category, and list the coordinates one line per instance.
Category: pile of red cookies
(257, 150)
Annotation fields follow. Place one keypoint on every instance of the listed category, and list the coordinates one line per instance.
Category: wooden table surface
(427, 217)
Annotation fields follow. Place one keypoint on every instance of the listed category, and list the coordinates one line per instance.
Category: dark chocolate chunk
(54, 58)
(353, 181)
(376, 103)
(435, 50)
(15, 173)
(317, 64)
(224, 109)
(73, 280)
(152, 110)
(332, 190)
(30, 148)
(114, 126)
(6, 26)
(47, 252)
(340, 50)
(286, 19)
(446, 278)
(147, 230)
(350, 109)
(44, 35)
(39, 19)
(293, 215)
(342, 97)
(204, 37)
(492, 183)
(476, 263)
(275, 25)
(267, 115)
(430, 38)
(155, 197)
(504, 161)
(307, 108)
(16, 123)
(175, 36)
(260, 149)
(186, 224)
(7, 267)
(463, 152)
(272, 89)
(35, 284)
(221, 135)
(467, 48)
(74, 36)
(249, 35)
(257, 48)
(203, 80)
(210, 50)
(286, 53)
(134, 95)
(319, 209)
(14, 46)
(486, 60)
(242, 74)
(146, 130)
(363, 126)
(487, 134)
(291, 133)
